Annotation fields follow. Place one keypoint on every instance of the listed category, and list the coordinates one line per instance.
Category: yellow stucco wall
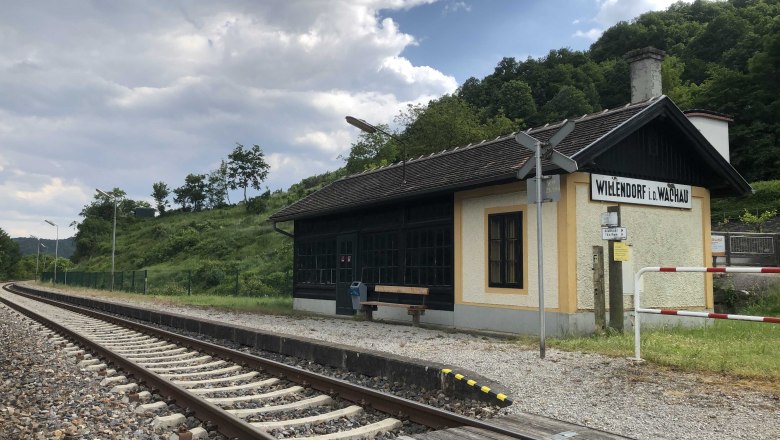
(471, 212)
(659, 237)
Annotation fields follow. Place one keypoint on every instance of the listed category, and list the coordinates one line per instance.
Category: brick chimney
(645, 67)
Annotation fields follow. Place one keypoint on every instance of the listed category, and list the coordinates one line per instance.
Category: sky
(100, 94)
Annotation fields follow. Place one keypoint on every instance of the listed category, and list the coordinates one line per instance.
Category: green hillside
(231, 249)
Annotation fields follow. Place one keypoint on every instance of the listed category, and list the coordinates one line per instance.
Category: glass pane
(495, 227)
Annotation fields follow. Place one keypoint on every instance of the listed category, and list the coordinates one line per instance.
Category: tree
(217, 187)
(448, 122)
(370, 150)
(515, 100)
(9, 256)
(568, 102)
(191, 195)
(160, 193)
(757, 220)
(246, 168)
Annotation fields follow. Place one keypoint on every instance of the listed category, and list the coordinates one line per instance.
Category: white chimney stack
(715, 128)
(645, 67)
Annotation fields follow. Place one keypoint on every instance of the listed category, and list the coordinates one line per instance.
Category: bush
(279, 282)
(767, 304)
(209, 274)
(258, 205)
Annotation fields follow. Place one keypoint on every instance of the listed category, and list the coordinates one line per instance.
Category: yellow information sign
(620, 251)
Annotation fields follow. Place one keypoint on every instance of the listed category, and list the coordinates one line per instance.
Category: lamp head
(361, 124)
(51, 223)
(104, 193)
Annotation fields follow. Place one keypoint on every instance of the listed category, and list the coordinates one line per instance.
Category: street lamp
(38, 258)
(113, 241)
(56, 248)
(368, 128)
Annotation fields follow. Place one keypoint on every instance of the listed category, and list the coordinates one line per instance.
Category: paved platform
(528, 424)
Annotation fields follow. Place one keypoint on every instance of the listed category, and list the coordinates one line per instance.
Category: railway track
(237, 394)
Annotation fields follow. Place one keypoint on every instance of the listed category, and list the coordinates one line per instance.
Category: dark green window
(505, 250)
(379, 257)
(316, 261)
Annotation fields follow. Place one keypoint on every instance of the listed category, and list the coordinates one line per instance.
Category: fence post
(728, 249)
(189, 282)
(132, 283)
(146, 281)
(777, 250)
(236, 290)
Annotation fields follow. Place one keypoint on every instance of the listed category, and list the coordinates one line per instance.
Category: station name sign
(641, 192)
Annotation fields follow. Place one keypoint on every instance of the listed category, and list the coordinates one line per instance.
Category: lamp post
(56, 247)
(37, 259)
(113, 241)
(368, 128)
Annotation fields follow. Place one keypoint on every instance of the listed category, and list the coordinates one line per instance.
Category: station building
(461, 225)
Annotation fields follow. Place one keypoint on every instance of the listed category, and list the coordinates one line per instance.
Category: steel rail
(225, 423)
(396, 406)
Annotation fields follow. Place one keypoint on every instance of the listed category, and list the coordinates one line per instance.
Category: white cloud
(128, 95)
(456, 6)
(613, 11)
(593, 34)
(610, 12)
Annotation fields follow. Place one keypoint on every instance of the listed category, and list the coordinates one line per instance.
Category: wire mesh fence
(179, 282)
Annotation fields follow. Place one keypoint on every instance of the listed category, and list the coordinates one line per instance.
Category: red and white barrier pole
(638, 289)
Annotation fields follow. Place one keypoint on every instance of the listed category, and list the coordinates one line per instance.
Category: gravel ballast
(613, 394)
(44, 395)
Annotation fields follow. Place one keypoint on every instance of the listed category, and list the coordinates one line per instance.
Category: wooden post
(615, 283)
(728, 248)
(599, 307)
(777, 250)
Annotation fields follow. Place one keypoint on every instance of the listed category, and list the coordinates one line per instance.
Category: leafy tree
(722, 56)
(160, 193)
(93, 231)
(9, 256)
(217, 187)
(671, 77)
(515, 100)
(568, 102)
(246, 168)
(192, 195)
(372, 149)
(448, 122)
(757, 220)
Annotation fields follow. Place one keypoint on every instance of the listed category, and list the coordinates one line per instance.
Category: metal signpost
(543, 150)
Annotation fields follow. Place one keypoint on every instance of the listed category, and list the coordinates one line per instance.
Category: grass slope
(210, 246)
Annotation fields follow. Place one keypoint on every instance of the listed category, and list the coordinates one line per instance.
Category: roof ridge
(547, 126)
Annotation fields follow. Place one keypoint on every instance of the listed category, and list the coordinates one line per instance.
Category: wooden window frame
(503, 243)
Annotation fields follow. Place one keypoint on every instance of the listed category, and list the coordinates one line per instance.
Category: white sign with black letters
(641, 192)
(614, 233)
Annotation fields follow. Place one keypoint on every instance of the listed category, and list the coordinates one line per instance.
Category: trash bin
(358, 293)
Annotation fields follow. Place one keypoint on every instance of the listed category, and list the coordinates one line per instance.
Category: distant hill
(29, 246)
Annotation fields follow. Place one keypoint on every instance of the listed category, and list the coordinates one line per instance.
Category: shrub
(209, 274)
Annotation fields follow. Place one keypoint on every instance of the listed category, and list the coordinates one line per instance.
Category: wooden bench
(415, 310)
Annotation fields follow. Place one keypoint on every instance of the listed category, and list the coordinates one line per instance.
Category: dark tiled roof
(461, 167)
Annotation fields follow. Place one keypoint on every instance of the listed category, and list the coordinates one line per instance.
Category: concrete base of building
(526, 322)
(503, 320)
(318, 306)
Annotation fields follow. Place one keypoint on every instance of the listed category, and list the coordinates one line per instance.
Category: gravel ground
(613, 394)
(44, 395)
